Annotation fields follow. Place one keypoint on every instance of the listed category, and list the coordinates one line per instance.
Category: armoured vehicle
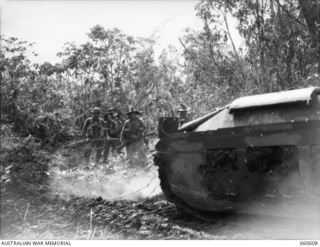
(258, 155)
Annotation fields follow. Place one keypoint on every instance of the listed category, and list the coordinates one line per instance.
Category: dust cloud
(116, 180)
(255, 227)
(277, 221)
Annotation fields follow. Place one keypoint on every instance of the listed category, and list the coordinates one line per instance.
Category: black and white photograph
(159, 120)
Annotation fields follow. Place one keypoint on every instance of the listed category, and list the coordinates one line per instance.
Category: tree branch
(190, 53)
(233, 46)
(289, 14)
(193, 57)
(145, 95)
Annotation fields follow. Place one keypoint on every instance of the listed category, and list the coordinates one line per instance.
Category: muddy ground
(49, 193)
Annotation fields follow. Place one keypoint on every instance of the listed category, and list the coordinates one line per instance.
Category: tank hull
(271, 169)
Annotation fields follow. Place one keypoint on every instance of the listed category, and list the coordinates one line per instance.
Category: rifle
(128, 142)
(85, 141)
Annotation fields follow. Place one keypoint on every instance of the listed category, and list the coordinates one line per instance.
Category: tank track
(206, 216)
(165, 187)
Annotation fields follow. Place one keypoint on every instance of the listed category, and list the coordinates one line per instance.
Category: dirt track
(33, 206)
(82, 218)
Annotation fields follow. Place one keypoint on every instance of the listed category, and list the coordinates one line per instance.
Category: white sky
(52, 23)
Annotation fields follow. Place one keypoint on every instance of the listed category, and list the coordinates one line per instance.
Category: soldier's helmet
(183, 108)
(107, 114)
(96, 110)
(133, 111)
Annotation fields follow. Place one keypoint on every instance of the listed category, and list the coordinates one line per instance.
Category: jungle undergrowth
(39, 206)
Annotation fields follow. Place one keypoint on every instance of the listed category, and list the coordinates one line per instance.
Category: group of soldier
(113, 133)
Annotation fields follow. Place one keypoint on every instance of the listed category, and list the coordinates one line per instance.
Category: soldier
(112, 131)
(132, 136)
(183, 114)
(94, 129)
(120, 122)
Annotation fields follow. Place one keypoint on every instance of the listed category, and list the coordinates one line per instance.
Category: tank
(258, 155)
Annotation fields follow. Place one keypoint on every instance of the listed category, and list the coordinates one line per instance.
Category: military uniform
(120, 124)
(113, 132)
(183, 119)
(183, 114)
(94, 129)
(132, 133)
